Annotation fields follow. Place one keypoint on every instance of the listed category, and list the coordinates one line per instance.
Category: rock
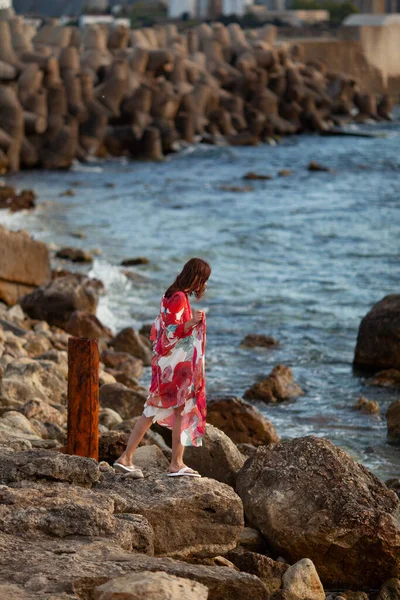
(59, 357)
(307, 497)
(155, 586)
(9, 442)
(25, 378)
(269, 571)
(111, 445)
(56, 301)
(393, 422)
(369, 407)
(85, 325)
(236, 188)
(130, 341)
(76, 255)
(377, 342)
(206, 516)
(37, 344)
(130, 382)
(315, 166)
(42, 411)
(254, 340)
(247, 449)
(351, 595)
(301, 580)
(25, 265)
(13, 423)
(122, 362)
(133, 262)
(45, 464)
(126, 402)
(150, 458)
(109, 418)
(217, 458)
(251, 539)
(106, 378)
(390, 590)
(278, 386)
(241, 421)
(251, 176)
(285, 173)
(386, 378)
(394, 484)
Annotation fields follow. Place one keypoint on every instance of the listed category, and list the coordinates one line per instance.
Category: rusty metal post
(83, 397)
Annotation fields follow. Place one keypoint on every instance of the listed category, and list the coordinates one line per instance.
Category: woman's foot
(182, 471)
(133, 471)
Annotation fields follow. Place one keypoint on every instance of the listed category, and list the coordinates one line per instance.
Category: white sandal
(134, 472)
(185, 472)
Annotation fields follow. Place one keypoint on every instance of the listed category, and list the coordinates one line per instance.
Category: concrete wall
(373, 59)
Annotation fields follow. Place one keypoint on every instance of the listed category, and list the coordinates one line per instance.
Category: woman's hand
(195, 320)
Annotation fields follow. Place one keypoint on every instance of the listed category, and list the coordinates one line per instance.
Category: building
(207, 9)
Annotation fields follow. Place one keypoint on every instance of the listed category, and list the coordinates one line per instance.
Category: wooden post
(83, 397)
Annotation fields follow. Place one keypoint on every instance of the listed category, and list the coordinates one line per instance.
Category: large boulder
(378, 338)
(217, 458)
(241, 421)
(25, 379)
(130, 341)
(155, 586)
(190, 517)
(311, 499)
(278, 386)
(56, 301)
(126, 402)
(57, 568)
(24, 265)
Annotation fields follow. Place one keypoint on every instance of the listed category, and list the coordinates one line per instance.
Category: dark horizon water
(302, 258)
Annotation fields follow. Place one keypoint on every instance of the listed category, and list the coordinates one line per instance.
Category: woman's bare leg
(177, 448)
(142, 426)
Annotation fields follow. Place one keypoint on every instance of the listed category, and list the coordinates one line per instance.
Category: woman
(177, 397)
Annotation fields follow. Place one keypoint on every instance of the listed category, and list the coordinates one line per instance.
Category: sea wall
(369, 53)
(68, 94)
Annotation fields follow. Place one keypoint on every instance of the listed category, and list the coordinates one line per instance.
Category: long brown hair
(192, 279)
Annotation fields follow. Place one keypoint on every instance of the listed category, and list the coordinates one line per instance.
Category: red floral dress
(178, 378)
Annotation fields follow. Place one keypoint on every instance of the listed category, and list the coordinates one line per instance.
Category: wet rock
(133, 262)
(306, 497)
(9, 199)
(45, 464)
(76, 255)
(24, 265)
(206, 516)
(217, 458)
(241, 421)
(316, 166)
(130, 341)
(377, 342)
(393, 422)
(157, 586)
(56, 301)
(278, 386)
(126, 402)
(251, 176)
(122, 362)
(301, 580)
(236, 188)
(386, 378)
(25, 378)
(254, 340)
(390, 590)
(285, 173)
(369, 407)
(268, 570)
(85, 325)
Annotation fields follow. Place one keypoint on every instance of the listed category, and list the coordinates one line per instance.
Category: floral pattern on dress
(178, 375)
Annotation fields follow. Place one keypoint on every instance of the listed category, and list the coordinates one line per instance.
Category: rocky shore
(69, 94)
(291, 520)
